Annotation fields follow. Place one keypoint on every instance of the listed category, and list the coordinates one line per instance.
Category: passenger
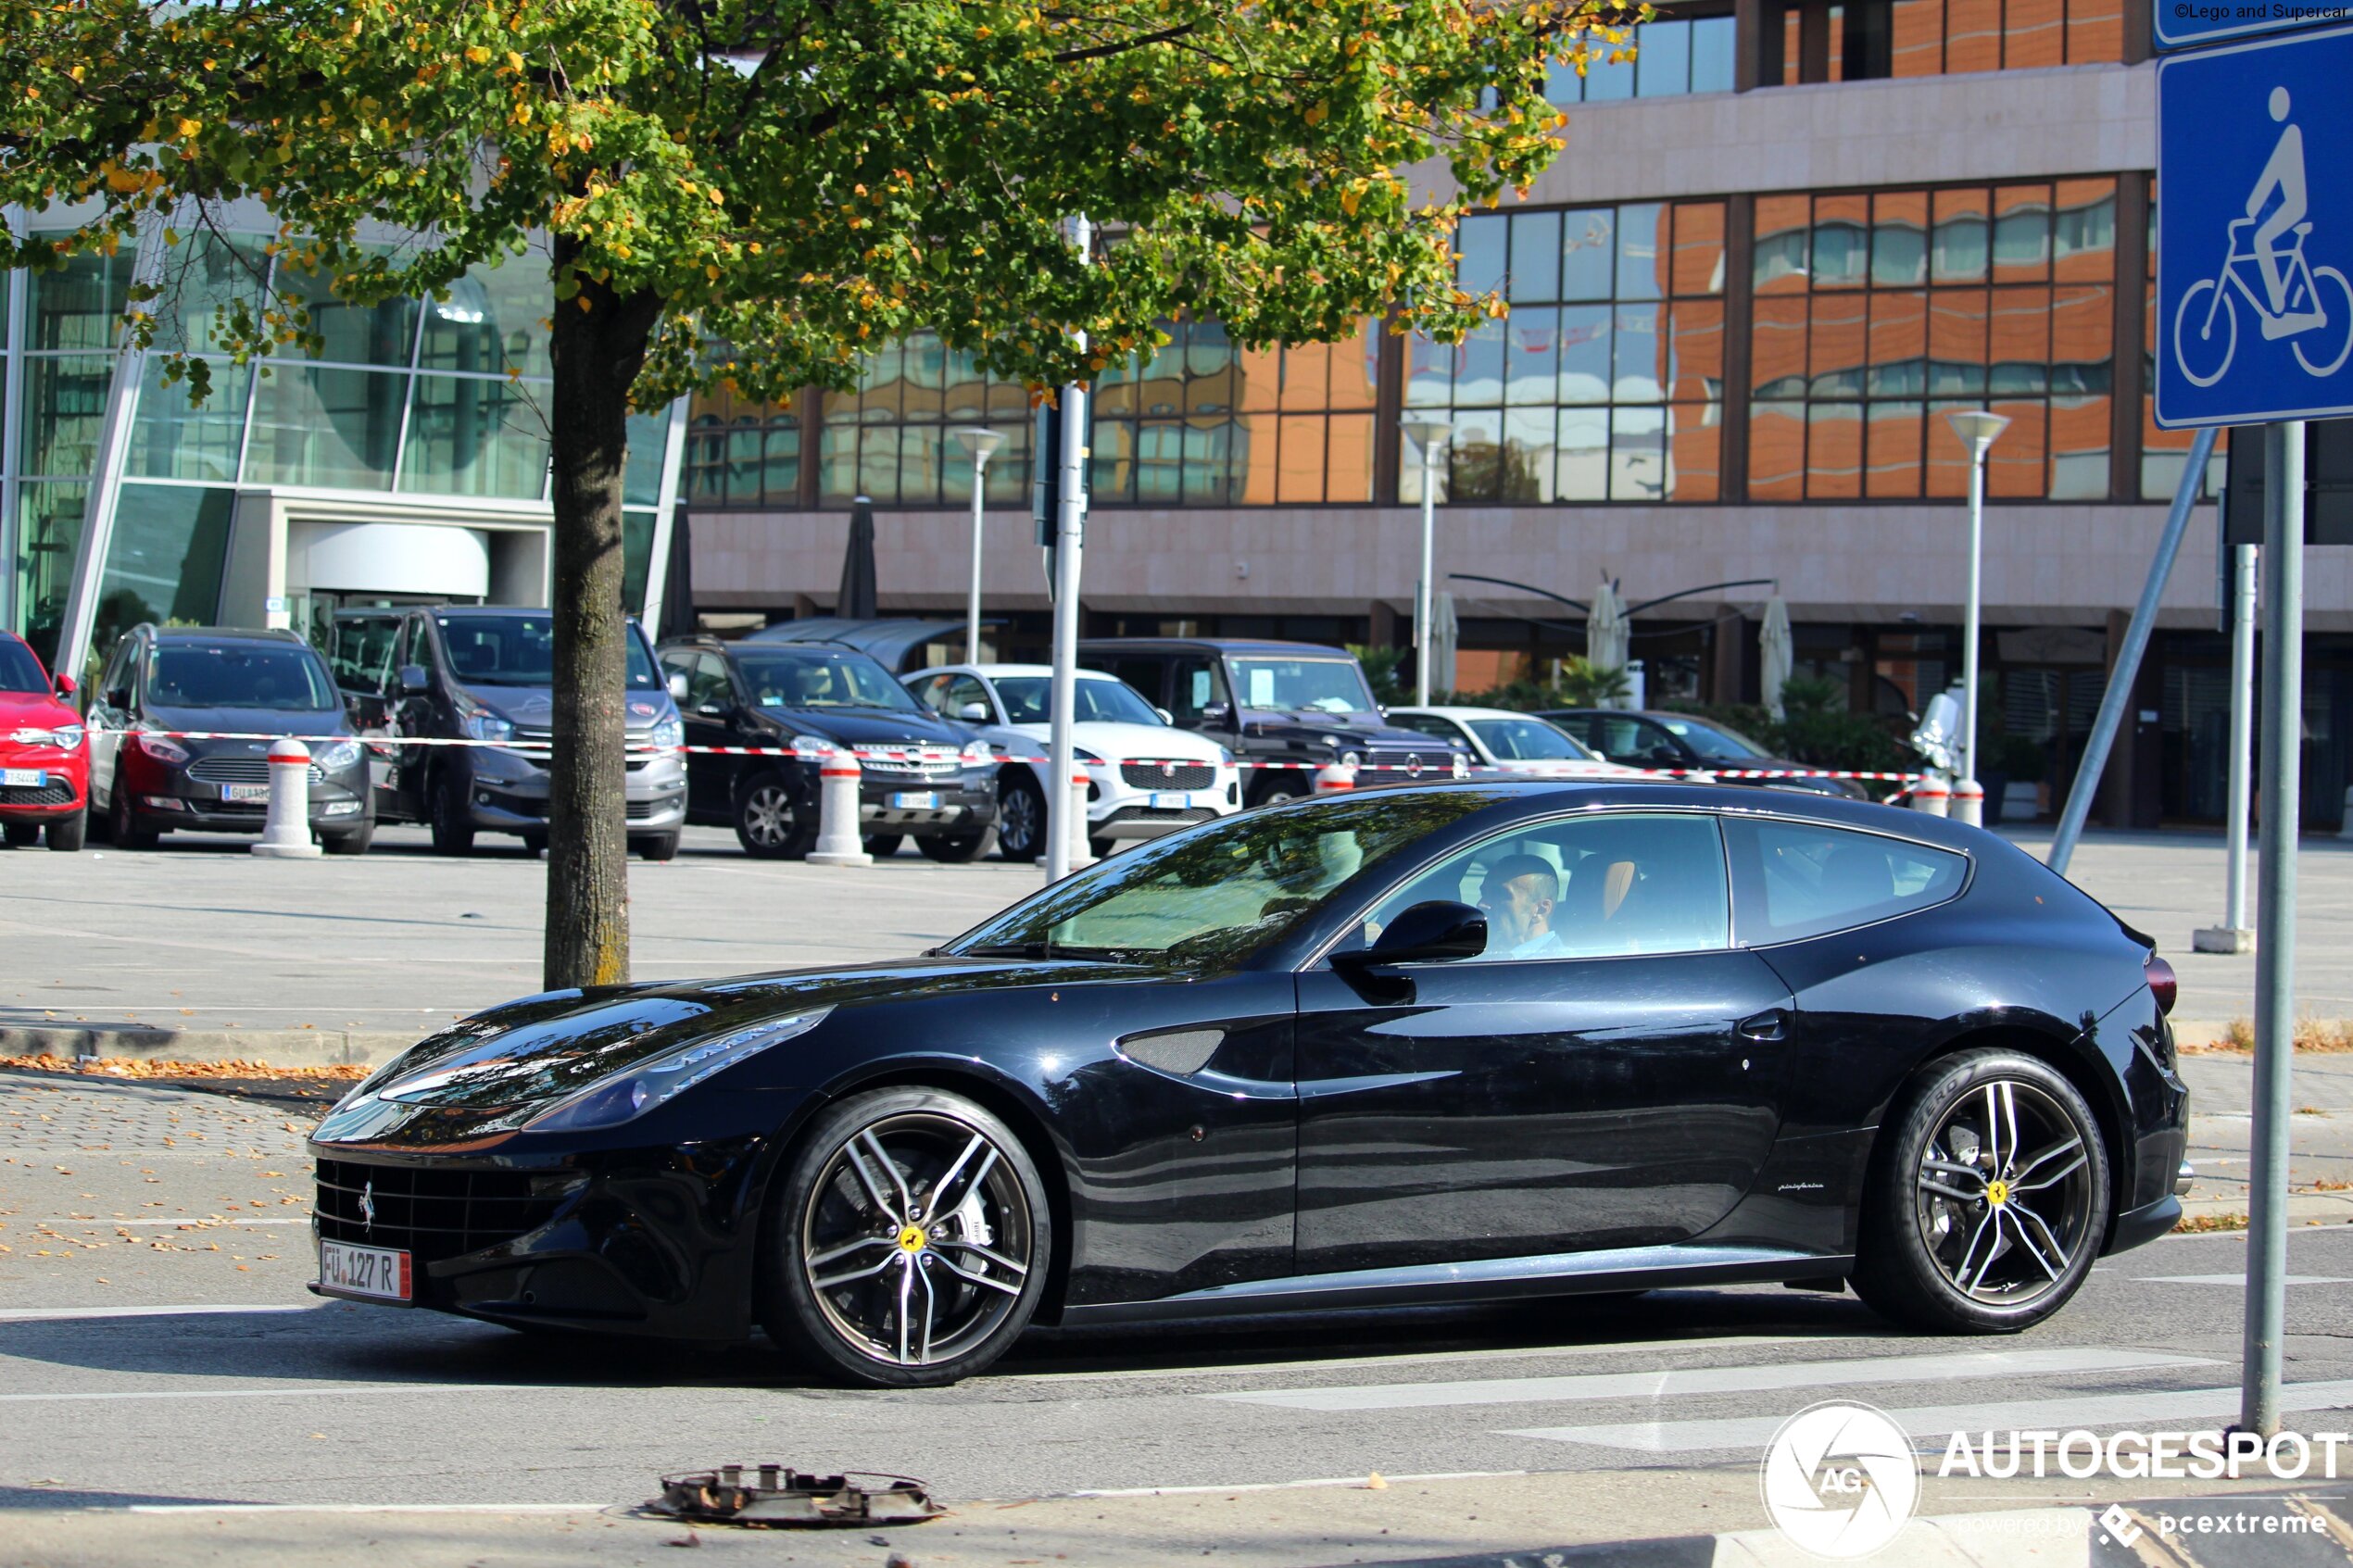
(1518, 895)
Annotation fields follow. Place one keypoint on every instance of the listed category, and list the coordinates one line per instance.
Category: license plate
(1176, 802)
(245, 792)
(916, 800)
(22, 778)
(377, 1272)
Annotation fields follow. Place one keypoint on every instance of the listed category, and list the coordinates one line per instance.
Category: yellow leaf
(514, 61)
(1349, 199)
(1318, 113)
(479, 54)
(189, 127)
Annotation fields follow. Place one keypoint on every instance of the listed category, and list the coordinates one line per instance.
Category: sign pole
(2275, 923)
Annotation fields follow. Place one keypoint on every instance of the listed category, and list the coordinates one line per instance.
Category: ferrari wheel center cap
(1997, 1192)
(911, 1239)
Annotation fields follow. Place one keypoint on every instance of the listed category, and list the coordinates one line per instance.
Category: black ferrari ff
(1435, 1044)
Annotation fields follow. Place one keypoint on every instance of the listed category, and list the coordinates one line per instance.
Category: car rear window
(1795, 880)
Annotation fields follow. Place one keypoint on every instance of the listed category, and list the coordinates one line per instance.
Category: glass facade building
(404, 460)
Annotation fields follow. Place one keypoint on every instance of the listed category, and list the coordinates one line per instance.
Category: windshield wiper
(1009, 950)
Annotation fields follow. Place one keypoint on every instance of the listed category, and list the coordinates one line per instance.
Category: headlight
(65, 737)
(483, 724)
(336, 754)
(630, 1094)
(168, 752)
(815, 747)
(669, 733)
(980, 751)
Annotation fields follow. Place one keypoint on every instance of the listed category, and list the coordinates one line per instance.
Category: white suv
(1144, 777)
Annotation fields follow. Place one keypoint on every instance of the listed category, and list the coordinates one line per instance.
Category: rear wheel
(770, 823)
(1021, 818)
(66, 832)
(450, 817)
(20, 836)
(1988, 1198)
(883, 843)
(910, 1242)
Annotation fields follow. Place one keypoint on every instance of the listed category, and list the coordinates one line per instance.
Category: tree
(758, 192)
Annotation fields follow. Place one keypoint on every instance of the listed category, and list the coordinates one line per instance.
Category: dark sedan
(1687, 741)
(1435, 1044)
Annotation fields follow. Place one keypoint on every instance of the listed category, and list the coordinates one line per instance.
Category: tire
(959, 850)
(770, 823)
(656, 847)
(125, 825)
(20, 836)
(1103, 848)
(451, 817)
(534, 843)
(843, 1198)
(67, 834)
(1280, 784)
(1945, 1196)
(1021, 818)
(355, 842)
(882, 844)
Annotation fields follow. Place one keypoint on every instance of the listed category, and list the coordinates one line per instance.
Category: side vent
(1182, 1054)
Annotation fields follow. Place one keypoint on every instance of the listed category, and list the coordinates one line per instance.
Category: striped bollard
(1968, 803)
(285, 833)
(1932, 794)
(839, 843)
(1081, 852)
(1333, 777)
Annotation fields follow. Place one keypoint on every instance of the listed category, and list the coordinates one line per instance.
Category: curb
(275, 1048)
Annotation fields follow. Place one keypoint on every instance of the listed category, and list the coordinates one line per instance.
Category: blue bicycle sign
(2255, 309)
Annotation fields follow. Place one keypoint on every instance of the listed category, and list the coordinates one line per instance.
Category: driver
(1518, 895)
(2284, 173)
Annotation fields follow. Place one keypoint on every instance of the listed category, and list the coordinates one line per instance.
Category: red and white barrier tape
(906, 754)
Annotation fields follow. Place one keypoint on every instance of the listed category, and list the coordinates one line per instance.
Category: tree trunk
(598, 352)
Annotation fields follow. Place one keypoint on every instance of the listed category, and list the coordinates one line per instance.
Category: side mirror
(1217, 713)
(413, 681)
(1438, 932)
(677, 687)
(68, 685)
(1166, 716)
(973, 713)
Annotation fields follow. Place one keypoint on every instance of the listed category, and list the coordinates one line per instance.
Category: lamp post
(1978, 430)
(1430, 435)
(982, 443)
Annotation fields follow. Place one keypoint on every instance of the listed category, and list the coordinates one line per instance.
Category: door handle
(1768, 1026)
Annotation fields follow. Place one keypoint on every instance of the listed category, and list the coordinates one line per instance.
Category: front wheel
(451, 818)
(909, 1243)
(882, 845)
(2343, 318)
(953, 851)
(1279, 785)
(124, 824)
(1988, 1198)
(1021, 819)
(355, 842)
(770, 823)
(656, 847)
(65, 833)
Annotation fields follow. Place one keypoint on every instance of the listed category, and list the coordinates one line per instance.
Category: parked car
(1683, 740)
(1462, 1041)
(484, 672)
(1144, 776)
(937, 784)
(45, 769)
(1503, 741)
(149, 780)
(1296, 705)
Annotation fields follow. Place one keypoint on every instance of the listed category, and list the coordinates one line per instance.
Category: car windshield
(821, 678)
(1300, 685)
(1101, 700)
(1714, 743)
(520, 651)
(1527, 740)
(1210, 896)
(281, 676)
(19, 672)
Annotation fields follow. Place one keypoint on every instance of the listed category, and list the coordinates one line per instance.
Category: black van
(484, 672)
(1294, 703)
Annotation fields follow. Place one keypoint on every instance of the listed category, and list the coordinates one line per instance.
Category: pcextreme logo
(1840, 1479)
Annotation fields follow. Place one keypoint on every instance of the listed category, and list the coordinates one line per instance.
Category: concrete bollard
(1081, 854)
(1931, 796)
(285, 833)
(1968, 803)
(1333, 777)
(839, 841)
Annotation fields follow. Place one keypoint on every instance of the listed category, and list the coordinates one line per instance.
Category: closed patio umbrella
(855, 601)
(1444, 634)
(1605, 629)
(1775, 652)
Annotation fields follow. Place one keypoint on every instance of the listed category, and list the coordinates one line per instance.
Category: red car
(44, 767)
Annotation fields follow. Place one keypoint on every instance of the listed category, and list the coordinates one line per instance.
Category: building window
(1206, 422)
(742, 454)
(1690, 51)
(1803, 41)
(893, 439)
(1876, 314)
(1605, 382)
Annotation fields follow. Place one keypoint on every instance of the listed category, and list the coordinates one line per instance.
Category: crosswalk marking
(2036, 1363)
(1752, 1432)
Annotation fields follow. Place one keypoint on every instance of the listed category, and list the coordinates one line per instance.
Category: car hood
(852, 726)
(248, 721)
(36, 710)
(1117, 742)
(533, 707)
(485, 1076)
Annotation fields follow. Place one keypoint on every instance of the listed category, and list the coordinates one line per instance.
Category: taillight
(2163, 984)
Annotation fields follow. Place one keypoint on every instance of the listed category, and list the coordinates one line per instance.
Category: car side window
(416, 646)
(1144, 674)
(962, 689)
(363, 661)
(1199, 682)
(1428, 725)
(706, 683)
(1625, 737)
(118, 675)
(1596, 885)
(1798, 880)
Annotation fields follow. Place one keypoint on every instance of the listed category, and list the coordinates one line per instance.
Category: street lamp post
(1978, 430)
(1430, 435)
(982, 443)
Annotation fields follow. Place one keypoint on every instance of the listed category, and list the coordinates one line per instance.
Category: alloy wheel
(768, 816)
(2004, 1193)
(917, 1239)
(1019, 827)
